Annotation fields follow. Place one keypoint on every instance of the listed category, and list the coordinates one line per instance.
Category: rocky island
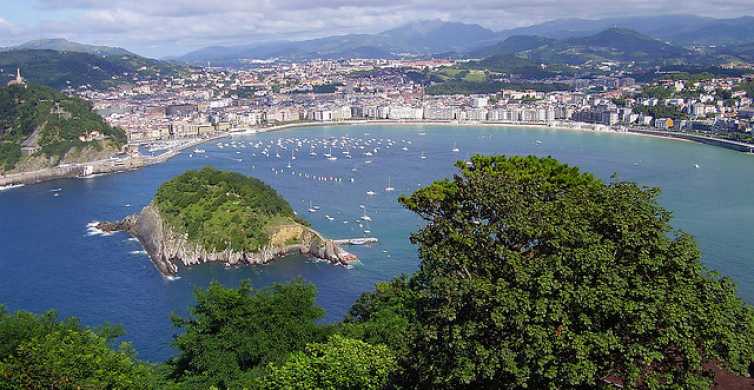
(215, 216)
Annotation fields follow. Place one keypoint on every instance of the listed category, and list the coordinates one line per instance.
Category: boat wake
(139, 253)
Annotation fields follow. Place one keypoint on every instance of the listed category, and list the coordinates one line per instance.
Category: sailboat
(311, 208)
(330, 155)
(455, 148)
(365, 217)
(423, 157)
(389, 188)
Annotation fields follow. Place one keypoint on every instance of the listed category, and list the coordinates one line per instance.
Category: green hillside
(613, 44)
(49, 124)
(60, 69)
(223, 210)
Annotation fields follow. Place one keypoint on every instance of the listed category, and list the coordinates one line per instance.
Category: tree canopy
(43, 352)
(233, 334)
(536, 275)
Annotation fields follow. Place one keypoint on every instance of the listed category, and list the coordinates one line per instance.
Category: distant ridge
(426, 38)
(64, 45)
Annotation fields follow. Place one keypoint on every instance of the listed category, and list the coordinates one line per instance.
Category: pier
(357, 241)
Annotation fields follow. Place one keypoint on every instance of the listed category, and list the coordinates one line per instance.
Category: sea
(53, 258)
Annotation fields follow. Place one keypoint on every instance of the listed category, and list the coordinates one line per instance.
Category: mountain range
(451, 38)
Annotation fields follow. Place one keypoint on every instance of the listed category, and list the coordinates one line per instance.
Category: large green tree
(535, 275)
(233, 334)
(42, 352)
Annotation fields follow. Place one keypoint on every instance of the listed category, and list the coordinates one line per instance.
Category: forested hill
(41, 127)
(223, 210)
(61, 69)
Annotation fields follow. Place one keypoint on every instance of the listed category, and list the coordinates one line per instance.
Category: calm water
(49, 259)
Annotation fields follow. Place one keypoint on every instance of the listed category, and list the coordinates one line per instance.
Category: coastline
(103, 167)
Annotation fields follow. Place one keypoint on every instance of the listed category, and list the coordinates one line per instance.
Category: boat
(199, 151)
(389, 188)
(423, 156)
(330, 155)
(455, 148)
(311, 208)
(365, 217)
(371, 193)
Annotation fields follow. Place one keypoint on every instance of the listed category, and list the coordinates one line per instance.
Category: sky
(160, 28)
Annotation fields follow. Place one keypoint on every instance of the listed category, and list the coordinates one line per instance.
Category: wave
(93, 230)
(172, 278)
(10, 187)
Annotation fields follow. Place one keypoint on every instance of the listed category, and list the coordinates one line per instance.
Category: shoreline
(104, 167)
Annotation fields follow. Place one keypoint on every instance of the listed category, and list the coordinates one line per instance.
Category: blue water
(50, 260)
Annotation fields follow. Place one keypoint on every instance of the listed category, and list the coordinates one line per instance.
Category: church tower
(19, 80)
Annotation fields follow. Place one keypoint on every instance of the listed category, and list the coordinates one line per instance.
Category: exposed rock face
(168, 248)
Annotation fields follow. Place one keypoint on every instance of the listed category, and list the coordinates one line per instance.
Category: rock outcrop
(168, 248)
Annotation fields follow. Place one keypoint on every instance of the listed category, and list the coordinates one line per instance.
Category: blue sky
(159, 28)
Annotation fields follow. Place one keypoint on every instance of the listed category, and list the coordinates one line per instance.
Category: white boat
(455, 148)
(389, 188)
(365, 217)
(311, 208)
(696, 166)
(330, 155)
(423, 157)
(371, 193)
(199, 151)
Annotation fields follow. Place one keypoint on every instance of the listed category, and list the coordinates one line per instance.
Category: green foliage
(661, 111)
(40, 352)
(747, 86)
(453, 87)
(657, 91)
(535, 275)
(10, 155)
(383, 316)
(234, 333)
(222, 210)
(60, 69)
(60, 120)
(341, 363)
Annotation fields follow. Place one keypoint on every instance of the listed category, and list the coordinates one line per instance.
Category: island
(215, 216)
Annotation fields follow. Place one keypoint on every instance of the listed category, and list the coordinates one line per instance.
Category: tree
(40, 352)
(341, 363)
(535, 275)
(234, 333)
(382, 316)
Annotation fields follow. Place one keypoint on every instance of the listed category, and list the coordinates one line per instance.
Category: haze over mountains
(436, 37)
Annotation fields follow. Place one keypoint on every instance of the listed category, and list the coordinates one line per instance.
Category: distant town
(207, 101)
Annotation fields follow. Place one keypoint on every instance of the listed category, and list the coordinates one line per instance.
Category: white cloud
(161, 27)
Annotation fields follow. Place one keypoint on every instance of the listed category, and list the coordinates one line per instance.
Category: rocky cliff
(168, 248)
